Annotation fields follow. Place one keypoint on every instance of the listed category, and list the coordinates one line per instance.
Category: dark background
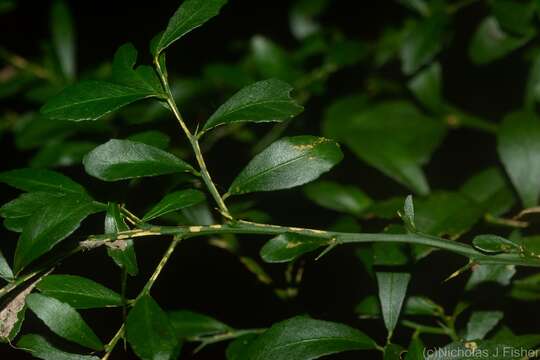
(212, 281)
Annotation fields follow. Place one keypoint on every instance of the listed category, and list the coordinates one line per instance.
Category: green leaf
(420, 6)
(419, 305)
(143, 77)
(518, 144)
(238, 346)
(41, 180)
(5, 270)
(41, 349)
(52, 224)
(494, 244)
(125, 159)
(263, 101)
(173, 202)
(287, 247)
(189, 324)
(490, 42)
(63, 320)
(302, 338)
(21, 209)
(153, 138)
(90, 100)
(427, 87)
(334, 196)
(446, 213)
(408, 213)
(63, 37)
(481, 323)
(393, 137)
(490, 190)
(392, 291)
(527, 288)
(190, 15)
(389, 254)
(500, 274)
(423, 40)
(150, 332)
(79, 292)
(287, 163)
(514, 16)
(125, 258)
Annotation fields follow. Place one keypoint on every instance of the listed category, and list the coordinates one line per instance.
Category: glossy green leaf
(302, 338)
(494, 244)
(125, 159)
(79, 292)
(143, 77)
(481, 323)
(63, 35)
(263, 101)
(423, 40)
(5, 270)
(52, 224)
(518, 144)
(490, 190)
(446, 213)
(125, 258)
(41, 180)
(393, 137)
(237, 347)
(334, 196)
(392, 291)
(149, 331)
(189, 324)
(527, 288)
(90, 100)
(408, 213)
(287, 163)
(59, 154)
(173, 202)
(287, 247)
(491, 273)
(40, 348)
(153, 138)
(490, 42)
(63, 320)
(190, 15)
(419, 305)
(21, 209)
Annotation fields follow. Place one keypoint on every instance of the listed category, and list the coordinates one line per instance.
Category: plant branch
(21, 63)
(194, 142)
(246, 227)
(145, 291)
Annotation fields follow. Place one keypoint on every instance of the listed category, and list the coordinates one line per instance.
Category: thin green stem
(245, 227)
(424, 328)
(194, 142)
(145, 291)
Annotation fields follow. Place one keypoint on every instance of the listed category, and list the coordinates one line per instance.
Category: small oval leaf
(79, 292)
(286, 163)
(174, 202)
(125, 159)
(287, 247)
(63, 320)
